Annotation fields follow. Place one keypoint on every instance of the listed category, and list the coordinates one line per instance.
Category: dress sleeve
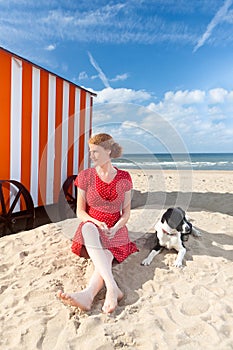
(81, 180)
(127, 183)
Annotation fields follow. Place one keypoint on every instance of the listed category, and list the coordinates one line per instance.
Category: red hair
(107, 142)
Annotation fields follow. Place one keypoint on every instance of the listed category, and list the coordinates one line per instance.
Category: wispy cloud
(101, 74)
(29, 22)
(84, 76)
(218, 18)
(120, 77)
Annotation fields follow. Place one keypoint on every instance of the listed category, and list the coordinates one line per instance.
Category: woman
(103, 205)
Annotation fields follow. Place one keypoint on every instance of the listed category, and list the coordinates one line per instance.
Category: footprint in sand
(210, 292)
(199, 302)
(194, 306)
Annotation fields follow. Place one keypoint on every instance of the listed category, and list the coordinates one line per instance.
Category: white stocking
(101, 258)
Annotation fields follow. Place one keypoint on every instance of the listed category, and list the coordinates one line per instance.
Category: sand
(164, 307)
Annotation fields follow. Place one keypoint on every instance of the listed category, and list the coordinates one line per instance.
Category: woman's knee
(90, 235)
(89, 228)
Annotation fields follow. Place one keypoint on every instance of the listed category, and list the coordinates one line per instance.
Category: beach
(164, 307)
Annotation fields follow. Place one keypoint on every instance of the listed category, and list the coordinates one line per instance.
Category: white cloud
(50, 47)
(102, 118)
(120, 77)
(121, 95)
(128, 124)
(230, 96)
(185, 97)
(93, 77)
(217, 95)
(132, 127)
(200, 124)
(82, 76)
(199, 120)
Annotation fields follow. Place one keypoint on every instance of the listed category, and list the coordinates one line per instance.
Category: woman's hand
(103, 226)
(111, 232)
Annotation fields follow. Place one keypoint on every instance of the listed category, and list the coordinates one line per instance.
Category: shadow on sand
(207, 201)
(210, 244)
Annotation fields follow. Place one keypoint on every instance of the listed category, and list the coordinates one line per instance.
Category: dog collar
(167, 233)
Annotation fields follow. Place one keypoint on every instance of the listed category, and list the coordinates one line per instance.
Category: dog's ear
(167, 215)
(182, 210)
(163, 218)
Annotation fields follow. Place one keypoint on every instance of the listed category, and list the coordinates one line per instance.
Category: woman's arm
(81, 211)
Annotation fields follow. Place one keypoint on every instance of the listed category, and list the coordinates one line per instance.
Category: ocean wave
(169, 165)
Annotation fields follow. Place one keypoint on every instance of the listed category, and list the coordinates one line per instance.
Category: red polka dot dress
(104, 203)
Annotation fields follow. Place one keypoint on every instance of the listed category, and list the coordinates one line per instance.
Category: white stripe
(65, 116)
(76, 130)
(16, 123)
(87, 129)
(16, 119)
(51, 139)
(35, 133)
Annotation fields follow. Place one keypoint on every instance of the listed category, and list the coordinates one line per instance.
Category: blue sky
(162, 69)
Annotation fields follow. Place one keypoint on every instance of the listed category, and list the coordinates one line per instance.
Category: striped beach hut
(45, 124)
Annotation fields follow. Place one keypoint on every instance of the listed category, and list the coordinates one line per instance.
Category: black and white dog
(171, 232)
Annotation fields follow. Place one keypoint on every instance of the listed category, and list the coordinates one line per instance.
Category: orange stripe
(82, 129)
(26, 124)
(71, 131)
(43, 135)
(5, 108)
(58, 138)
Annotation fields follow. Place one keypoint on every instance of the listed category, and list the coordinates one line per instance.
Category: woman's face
(99, 155)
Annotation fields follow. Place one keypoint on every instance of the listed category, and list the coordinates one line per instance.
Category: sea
(165, 161)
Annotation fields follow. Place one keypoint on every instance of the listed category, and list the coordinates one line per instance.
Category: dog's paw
(196, 233)
(146, 262)
(178, 263)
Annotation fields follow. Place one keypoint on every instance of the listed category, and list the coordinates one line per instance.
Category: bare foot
(111, 300)
(82, 300)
